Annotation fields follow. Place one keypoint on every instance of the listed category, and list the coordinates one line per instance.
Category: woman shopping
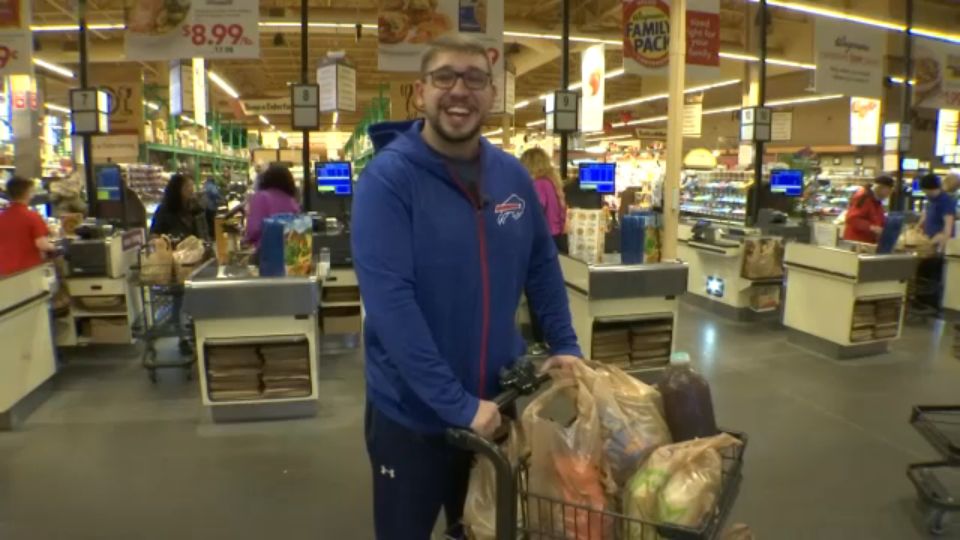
(276, 194)
(549, 189)
(179, 214)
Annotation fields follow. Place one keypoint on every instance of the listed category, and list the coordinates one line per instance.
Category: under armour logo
(384, 471)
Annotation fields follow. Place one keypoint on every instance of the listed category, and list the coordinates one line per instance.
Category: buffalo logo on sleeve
(512, 207)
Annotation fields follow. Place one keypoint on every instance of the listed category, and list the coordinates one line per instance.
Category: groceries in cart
(187, 256)
(286, 246)
(156, 263)
(600, 461)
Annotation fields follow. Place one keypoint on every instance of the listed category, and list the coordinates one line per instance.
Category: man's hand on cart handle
(487, 420)
(563, 362)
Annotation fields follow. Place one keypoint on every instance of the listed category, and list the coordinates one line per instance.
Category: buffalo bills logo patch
(513, 207)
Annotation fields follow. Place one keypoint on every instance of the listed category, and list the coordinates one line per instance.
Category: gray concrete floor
(111, 456)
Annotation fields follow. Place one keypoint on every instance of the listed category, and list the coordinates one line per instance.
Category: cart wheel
(936, 522)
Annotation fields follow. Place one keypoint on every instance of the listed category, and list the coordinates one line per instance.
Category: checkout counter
(28, 361)
(844, 304)
(734, 271)
(951, 280)
(625, 314)
(257, 342)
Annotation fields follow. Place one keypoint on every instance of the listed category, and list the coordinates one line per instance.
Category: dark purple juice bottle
(687, 404)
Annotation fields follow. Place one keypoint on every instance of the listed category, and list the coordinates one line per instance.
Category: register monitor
(334, 178)
(598, 177)
(788, 182)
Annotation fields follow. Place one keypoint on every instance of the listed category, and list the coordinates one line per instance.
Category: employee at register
(865, 214)
(23, 234)
(276, 194)
(940, 212)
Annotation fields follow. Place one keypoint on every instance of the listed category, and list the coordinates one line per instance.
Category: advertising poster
(592, 68)
(936, 68)
(172, 29)
(849, 59)
(864, 121)
(125, 90)
(646, 37)
(16, 42)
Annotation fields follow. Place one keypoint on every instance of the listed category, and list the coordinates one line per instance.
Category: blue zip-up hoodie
(441, 272)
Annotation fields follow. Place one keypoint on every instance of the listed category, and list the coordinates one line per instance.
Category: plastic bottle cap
(679, 358)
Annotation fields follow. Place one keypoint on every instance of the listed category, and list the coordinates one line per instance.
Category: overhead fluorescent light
(49, 66)
(557, 37)
(772, 61)
(536, 123)
(899, 80)
(264, 121)
(802, 100)
(494, 132)
(57, 108)
(733, 108)
(100, 27)
(336, 118)
(187, 119)
(224, 85)
(610, 138)
(151, 105)
(656, 97)
(296, 24)
(521, 104)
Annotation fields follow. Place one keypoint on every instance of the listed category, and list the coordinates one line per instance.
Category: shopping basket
(515, 504)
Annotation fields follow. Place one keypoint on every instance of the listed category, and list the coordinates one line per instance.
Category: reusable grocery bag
(480, 510)
(631, 420)
(679, 484)
(156, 267)
(566, 464)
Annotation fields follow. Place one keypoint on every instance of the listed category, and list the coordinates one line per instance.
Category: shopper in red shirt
(865, 214)
(23, 234)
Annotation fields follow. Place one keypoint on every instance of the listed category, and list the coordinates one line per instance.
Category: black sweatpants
(414, 476)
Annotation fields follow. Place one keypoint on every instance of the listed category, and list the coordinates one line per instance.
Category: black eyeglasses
(446, 78)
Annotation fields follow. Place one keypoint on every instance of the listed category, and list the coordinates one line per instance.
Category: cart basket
(511, 487)
(940, 425)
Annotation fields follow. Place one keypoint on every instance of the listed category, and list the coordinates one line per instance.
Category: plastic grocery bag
(566, 464)
(298, 246)
(631, 418)
(156, 267)
(480, 509)
(679, 484)
(189, 251)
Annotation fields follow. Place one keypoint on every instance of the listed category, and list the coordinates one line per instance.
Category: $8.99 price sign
(223, 38)
(207, 29)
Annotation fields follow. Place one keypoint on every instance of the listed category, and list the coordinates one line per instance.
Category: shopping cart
(161, 318)
(512, 487)
(937, 481)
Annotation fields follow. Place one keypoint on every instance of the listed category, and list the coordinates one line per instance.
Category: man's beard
(437, 126)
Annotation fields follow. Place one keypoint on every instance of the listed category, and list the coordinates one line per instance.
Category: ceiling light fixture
(772, 61)
(264, 121)
(336, 118)
(74, 28)
(224, 85)
(57, 108)
(151, 105)
(536, 123)
(899, 80)
(734, 108)
(555, 37)
(494, 132)
(49, 66)
(656, 97)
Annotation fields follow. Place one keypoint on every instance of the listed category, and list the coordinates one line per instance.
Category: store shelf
(155, 147)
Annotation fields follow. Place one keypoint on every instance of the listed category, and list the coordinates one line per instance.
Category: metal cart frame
(511, 486)
(940, 426)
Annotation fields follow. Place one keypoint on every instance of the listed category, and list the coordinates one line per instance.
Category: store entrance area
(112, 456)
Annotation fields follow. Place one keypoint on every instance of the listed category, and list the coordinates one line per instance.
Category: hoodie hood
(384, 133)
(406, 139)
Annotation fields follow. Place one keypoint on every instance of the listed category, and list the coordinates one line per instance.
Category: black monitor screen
(788, 182)
(598, 177)
(334, 178)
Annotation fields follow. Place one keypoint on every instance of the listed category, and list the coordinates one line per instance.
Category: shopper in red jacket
(865, 214)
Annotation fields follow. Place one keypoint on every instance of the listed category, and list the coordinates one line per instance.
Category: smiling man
(446, 236)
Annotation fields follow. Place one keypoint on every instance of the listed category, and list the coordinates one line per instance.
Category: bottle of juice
(687, 404)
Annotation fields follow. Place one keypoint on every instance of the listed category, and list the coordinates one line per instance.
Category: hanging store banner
(937, 74)
(646, 37)
(693, 115)
(865, 121)
(16, 41)
(172, 29)
(850, 59)
(592, 68)
(124, 86)
(181, 88)
(781, 126)
(407, 28)
(947, 128)
(199, 91)
(338, 86)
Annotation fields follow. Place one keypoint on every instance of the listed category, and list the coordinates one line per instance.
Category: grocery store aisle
(112, 457)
